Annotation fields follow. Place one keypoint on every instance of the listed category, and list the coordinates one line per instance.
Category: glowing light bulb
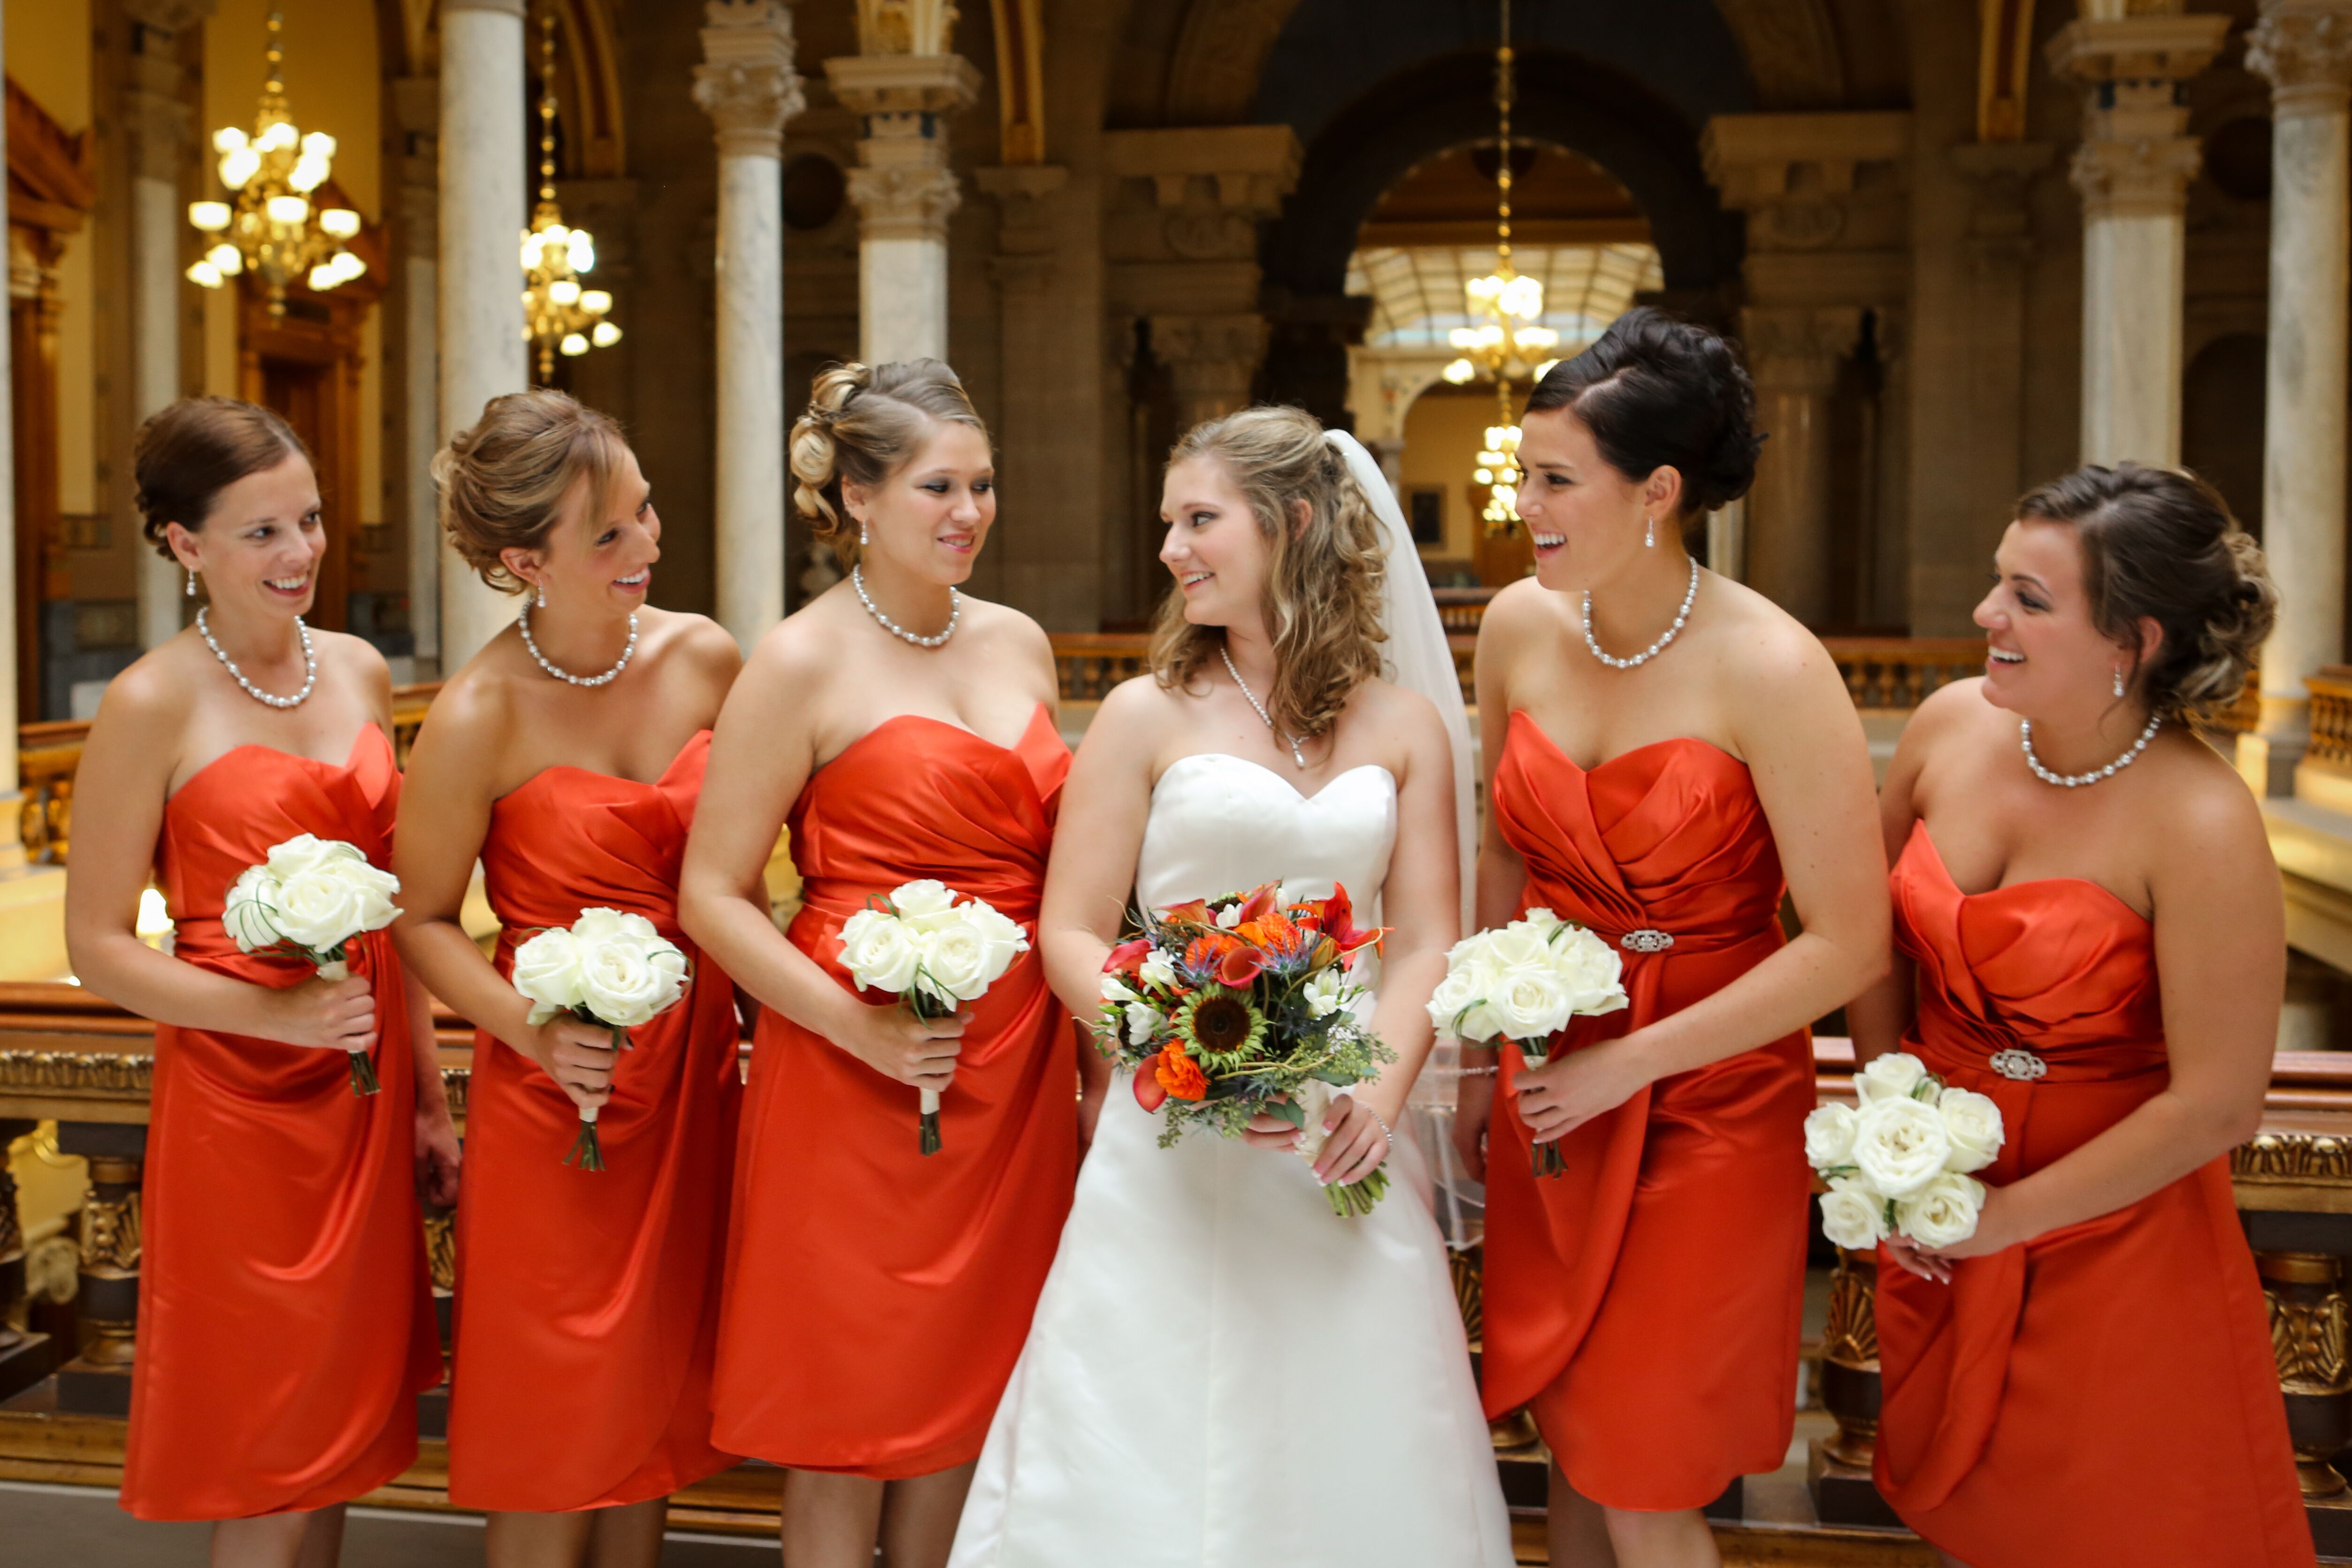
(281, 134)
(563, 291)
(346, 266)
(573, 344)
(341, 223)
(595, 302)
(287, 209)
(308, 172)
(322, 277)
(1544, 369)
(1458, 372)
(319, 145)
(237, 165)
(1484, 475)
(225, 260)
(204, 273)
(227, 139)
(605, 335)
(209, 216)
(583, 252)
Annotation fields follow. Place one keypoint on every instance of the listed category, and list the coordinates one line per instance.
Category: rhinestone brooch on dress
(1646, 940)
(2022, 1066)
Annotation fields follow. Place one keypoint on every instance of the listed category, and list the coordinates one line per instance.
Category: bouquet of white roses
(1898, 1164)
(610, 969)
(934, 955)
(308, 899)
(1523, 982)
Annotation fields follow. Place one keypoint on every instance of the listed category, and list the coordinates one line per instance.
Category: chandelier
(272, 230)
(1505, 343)
(560, 317)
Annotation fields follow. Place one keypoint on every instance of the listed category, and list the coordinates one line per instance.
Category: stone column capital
(906, 26)
(908, 85)
(1797, 347)
(910, 201)
(2168, 49)
(2304, 48)
(746, 82)
(1025, 231)
(2144, 176)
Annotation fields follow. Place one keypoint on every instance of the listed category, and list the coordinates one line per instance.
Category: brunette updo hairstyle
(186, 454)
(1324, 582)
(2161, 544)
(1662, 393)
(502, 483)
(864, 423)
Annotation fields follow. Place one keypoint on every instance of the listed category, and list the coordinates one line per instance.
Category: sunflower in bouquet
(1232, 1007)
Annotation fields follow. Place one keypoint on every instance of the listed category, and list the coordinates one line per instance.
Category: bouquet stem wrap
(927, 1137)
(310, 899)
(364, 1078)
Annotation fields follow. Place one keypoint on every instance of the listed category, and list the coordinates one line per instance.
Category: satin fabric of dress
(876, 1297)
(588, 1302)
(285, 1320)
(2107, 1391)
(1648, 1303)
(1222, 1373)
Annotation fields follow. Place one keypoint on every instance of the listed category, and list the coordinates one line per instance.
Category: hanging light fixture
(1505, 342)
(270, 228)
(559, 316)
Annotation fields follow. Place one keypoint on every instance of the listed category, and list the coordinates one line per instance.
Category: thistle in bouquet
(310, 900)
(1897, 1163)
(1522, 982)
(934, 955)
(1240, 1006)
(610, 969)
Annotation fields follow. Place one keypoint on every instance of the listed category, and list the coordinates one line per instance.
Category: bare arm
(1502, 875)
(1881, 1014)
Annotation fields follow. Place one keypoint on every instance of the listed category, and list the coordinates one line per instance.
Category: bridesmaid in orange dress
(567, 755)
(1668, 751)
(876, 1299)
(285, 1322)
(2117, 996)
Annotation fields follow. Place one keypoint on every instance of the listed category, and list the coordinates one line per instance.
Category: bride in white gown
(1221, 1372)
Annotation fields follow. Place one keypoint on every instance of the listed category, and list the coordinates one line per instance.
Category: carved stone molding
(904, 202)
(2303, 49)
(109, 1235)
(2135, 159)
(109, 1075)
(746, 82)
(1212, 358)
(2308, 1317)
(2138, 176)
(906, 87)
(1797, 347)
(2292, 1157)
(906, 26)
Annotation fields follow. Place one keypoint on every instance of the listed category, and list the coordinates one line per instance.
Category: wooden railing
(2331, 717)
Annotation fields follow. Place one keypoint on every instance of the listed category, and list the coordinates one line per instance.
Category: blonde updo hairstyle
(2162, 545)
(864, 423)
(503, 482)
(1324, 580)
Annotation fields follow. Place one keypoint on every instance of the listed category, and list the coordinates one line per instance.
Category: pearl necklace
(310, 665)
(522, 624)
(1655, 649)
(955, 612)
(2076, 780)
(1296, 754)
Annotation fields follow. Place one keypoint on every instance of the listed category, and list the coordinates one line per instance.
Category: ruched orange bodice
(876, 1299)
(2106, 1392)
(1648, 1303)
(588, 1302)
(284, 1324)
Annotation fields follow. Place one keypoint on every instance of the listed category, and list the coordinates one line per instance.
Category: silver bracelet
(1385, 1133)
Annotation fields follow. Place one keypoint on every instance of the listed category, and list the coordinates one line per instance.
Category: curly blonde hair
(863, 423)
(503, 482)
(1324, 580)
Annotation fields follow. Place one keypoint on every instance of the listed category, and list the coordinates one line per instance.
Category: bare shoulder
(801, 647)
(705, 643)
(154, 694)
(1518, 611)
(355, 659)
(1007, 632)
(1955, 708)
(1138, 705)
(1394, 710)
(475, 705)
(2207, 804)
(1762, 649)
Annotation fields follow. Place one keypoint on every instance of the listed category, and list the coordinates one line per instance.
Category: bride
(1221, 1372)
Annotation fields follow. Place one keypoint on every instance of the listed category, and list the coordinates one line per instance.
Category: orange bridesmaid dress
(2106, 1392)
(877, 1299)
(587, 1307)
(285, 1320)
(1648, 1303)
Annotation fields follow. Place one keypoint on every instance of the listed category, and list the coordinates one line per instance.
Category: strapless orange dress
(587, 1310)
(1648, 1303)
(877, 1299)
(2105, 1393)
(285, 1320)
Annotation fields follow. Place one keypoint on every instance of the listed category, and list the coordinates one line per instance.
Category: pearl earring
(2120, 679)
(863, 537)
(543, 596)
(1650, 533)
(192, 585)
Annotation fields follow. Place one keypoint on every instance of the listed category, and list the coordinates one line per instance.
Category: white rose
(1529, 1003)
(1829, 1136)
(248, 915)
(1143, 1021)
(375, 886)
(602, 925)
(1323, 992)
(955, 963)
(317, 909)
(628, 971)
(1591, 971)
(1894, 1076)
(1942, 1212)
(1003, 936)
(1899, 1146)
(1158, 971)
(1543, 921)
(918, 901)
(878, 951)
(1972, 1123)
(1457, 1006)
(307, 851)
(1852, 1216)
(547, 970)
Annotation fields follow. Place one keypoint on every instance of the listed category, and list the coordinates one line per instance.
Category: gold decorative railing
(2331, 717)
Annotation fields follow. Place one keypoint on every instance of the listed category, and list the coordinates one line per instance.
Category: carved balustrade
(2331, 718)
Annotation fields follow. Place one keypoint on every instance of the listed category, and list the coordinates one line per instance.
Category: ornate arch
(1791, 50)
(1220, 54)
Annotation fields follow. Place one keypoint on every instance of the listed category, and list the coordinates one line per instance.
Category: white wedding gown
(1222, 1372)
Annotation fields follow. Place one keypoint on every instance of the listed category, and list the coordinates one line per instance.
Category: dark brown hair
(2161, 544)
(1662, 393)
(503, 482)
(186, 454)
(863, 423)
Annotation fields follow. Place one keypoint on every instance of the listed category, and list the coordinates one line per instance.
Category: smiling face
(601, 549)
(1214, 547)
(2043, 653)
(930, 517)
(1586, 518)
(258, 548)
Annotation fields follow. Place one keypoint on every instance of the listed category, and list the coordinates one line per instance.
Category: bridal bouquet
(308, 900)
(1899, 1165)
(934, 955)
(610, 969)
(1523, 982)
(1229, 1007)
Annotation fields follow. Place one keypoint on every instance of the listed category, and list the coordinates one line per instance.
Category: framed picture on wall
(1425, 509)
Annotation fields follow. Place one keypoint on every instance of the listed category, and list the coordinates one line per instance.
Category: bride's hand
(1571, 1090)
(1267, 1132)
(1355, 1144)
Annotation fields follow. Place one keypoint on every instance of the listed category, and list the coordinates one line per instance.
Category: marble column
(479, 274)
(2133, 170)
(2305, 49)
(12, 801)
(1794, 353)
(748, 86)
(1212, 359)
(904, 193)
(413, 334)
(160, 126)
